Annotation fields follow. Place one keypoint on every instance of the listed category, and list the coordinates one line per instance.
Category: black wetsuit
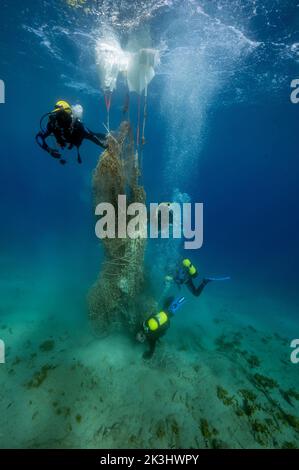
(153, 336)
(196, 290)
(182, 277)
(67, 132)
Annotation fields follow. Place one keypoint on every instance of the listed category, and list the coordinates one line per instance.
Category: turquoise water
(221, 128)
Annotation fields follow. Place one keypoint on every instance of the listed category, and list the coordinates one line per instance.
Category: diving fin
(176, 304)
(168, 301)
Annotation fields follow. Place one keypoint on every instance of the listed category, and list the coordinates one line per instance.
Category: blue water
(219, 109)
(221, 127)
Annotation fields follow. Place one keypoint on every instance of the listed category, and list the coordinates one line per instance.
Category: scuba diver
(156, 326)
(64, 123)
(186, 273)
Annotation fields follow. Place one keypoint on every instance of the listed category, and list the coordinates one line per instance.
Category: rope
(108, 132)
(143, 129)
(138, 121)
(144, 116)
(108, 97)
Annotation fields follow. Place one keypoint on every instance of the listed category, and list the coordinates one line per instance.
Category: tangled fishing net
(117, 300)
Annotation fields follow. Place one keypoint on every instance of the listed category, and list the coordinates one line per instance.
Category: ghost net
(117, 299)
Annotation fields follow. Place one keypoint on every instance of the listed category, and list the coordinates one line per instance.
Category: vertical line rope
(144, 116)
(108, 97)
(138, 121)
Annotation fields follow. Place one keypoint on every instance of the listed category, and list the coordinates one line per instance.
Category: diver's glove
(168, 280)
(105, 143)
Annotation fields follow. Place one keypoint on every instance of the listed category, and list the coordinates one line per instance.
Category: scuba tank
(189, 267)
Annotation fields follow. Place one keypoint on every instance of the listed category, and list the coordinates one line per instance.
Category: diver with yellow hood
(64, 123)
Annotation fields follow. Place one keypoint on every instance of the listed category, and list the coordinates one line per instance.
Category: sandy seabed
(220, 378)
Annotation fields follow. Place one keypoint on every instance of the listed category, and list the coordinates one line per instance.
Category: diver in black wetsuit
(155, 326)
(68, 130)
(186, 274)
